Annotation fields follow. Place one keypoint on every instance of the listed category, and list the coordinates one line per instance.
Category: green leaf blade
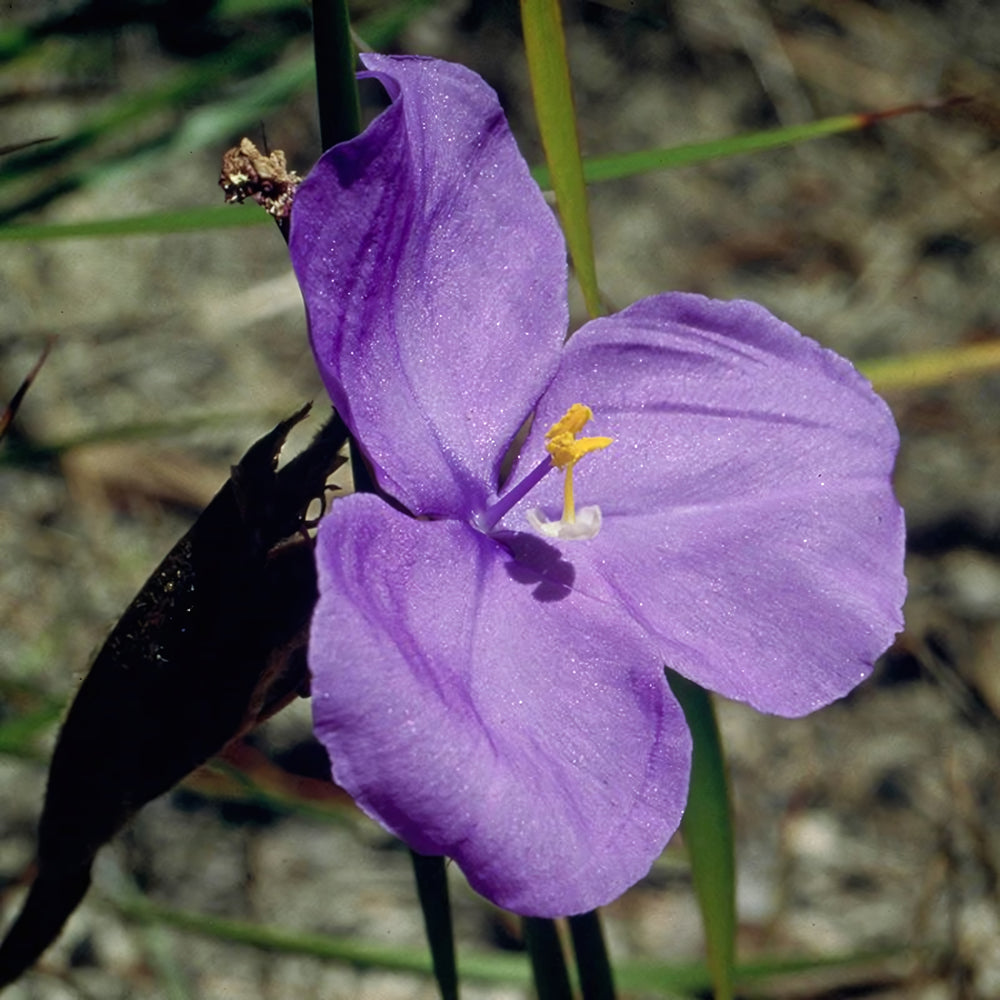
(545, 47)
(708, 834)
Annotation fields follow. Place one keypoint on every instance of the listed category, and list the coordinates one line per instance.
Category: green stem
(339, 120)
(432, 890)
(548, 964)
(592, 961)
(336, 84)
(708, 834)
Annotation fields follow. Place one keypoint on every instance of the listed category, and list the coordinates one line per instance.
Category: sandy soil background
(873, 825)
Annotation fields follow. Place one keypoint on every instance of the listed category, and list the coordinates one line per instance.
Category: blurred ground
(871, 825)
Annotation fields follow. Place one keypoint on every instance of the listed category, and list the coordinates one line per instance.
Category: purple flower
(487, 670)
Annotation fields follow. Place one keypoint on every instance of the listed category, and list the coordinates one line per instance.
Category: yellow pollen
(566, 449)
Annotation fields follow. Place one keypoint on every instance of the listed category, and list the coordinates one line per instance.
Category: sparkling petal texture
(749, 522)
(482, 708)
(434, 277)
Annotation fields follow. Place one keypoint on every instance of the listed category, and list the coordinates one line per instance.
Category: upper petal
(434, 277)
(482, 711)
(749, 520)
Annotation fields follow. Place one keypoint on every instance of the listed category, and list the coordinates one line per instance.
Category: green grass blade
(19, 734)
(595, 170)
(182, 220)
(268, 92)
(179, 88)
(687, 979)
(40, 175)
(484, 968)
(545, 46)
(236, 9)
(708, 834)
(918, 371)
(620, 165)
(383, 26)
(14, 41)
(635, 976)
(239, 786)
(164, 964)
(44, 451)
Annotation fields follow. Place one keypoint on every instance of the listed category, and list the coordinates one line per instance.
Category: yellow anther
(572, 421)
(562, 443)
(566, 450)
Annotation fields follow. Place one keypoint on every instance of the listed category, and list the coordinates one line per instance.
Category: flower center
(565, 449)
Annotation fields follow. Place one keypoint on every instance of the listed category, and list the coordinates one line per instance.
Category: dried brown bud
(248, 173)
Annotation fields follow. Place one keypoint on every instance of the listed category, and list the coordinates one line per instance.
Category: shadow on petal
(537, 564)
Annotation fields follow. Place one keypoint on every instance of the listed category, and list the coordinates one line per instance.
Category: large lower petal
(749, 521)
(434, 277)
(477, 711)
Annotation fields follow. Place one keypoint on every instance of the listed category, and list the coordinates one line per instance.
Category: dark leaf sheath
(213, 644)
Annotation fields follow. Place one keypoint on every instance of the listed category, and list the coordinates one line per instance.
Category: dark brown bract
(213, 644)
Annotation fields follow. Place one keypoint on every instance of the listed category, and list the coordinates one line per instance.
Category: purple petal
(434, 278)
(482, 712)
(749, 519)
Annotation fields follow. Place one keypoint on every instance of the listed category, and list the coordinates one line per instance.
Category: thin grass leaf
(44, 173)
(708, 834)
(653, 978)
(545, 47)
(160, 955)
(15, 41)
(382, 27)
(919, 371)
(174, 92)
(548, 963)
(620, 165)
(211, 124)
(378, 31)
(44, 451)
(222, 781)
(19, 735)
(266, 93)
(509, 969)
(239, 9)
(17, 147)
(206, 127)
(183, 220)
(432, 891)
(692, 978)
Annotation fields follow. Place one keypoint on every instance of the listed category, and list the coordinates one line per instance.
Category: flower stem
(592, 962)
(432, 890)
(339, 120)
(336, 85)
(548, 964)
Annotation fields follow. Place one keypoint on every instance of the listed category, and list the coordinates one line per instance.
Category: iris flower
(488, 648)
